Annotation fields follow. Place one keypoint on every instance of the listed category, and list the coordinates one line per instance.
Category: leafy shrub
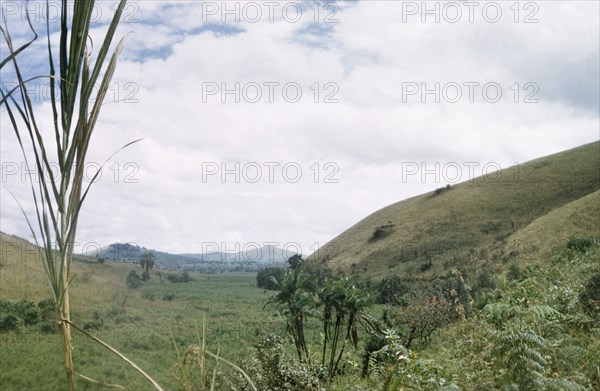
(6, 307)
(133, 280)
(272, 369)
(485, 280)
(169, 296)
(265, 277)
(440, 190)
(390, 291)
(185, 277)
(590, 296)
(373, 344)
(47, 310)
(579, 244)
(382, 231)
(48, 316)
(319, 273)
(25, 312)
(421, 319)
(9, 322)
(397, 368)
(177, 278)
(454, 289)
(28, 311)
(514, 273)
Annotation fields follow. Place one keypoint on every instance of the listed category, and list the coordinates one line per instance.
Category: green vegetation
(133, 280)
(535, 332)
(527, 209)
(390, 290)
(489, 317)
(270, 278)
(181, 277)
(382, 231)
(147, 261)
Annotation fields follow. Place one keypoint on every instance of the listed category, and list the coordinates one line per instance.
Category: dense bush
(177, 278)
(440, 190)
(394, 367)
(48, 316)
(10, 322)
(373, 344)
(580, 244)
(485, 280)
(133, 280)
(13, 315)
(28, 311)
(47, 310)
(272, 369)
(390, 291)
(96, 323)
(452, 287)
(514, 273)
(590, 296)
(382, 231)
(421, 319)
(264, 278)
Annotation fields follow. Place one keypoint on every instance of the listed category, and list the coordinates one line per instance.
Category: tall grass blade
(59, 198)
(116, 352)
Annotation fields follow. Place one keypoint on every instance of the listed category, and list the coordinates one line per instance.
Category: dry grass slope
(474, 217)
(547, 235)
(22, 275)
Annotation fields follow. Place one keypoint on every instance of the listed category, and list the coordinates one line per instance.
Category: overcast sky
(288, 122)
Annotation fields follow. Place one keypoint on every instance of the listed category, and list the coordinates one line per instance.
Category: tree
(343, 304)
(147, 261)
(270, 278)
(295, 261)
(421, 319)
(296, 302)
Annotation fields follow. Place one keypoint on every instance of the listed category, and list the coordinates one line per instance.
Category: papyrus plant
(76, 105)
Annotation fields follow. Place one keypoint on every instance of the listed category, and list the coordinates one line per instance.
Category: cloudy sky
(288, 122)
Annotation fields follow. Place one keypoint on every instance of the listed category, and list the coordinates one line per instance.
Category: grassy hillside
(490, 224)
(135, 321)
(545, 236)
(476, 220)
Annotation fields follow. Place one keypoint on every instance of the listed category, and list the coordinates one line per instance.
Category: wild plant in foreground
(193, 370)
(76, 105)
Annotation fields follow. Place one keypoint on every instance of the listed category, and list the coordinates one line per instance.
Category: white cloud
(368, 134)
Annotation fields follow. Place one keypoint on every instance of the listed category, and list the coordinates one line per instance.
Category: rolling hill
(250, 259)
(520, 212)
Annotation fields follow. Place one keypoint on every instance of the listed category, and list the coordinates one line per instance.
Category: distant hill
(251, 259)
(522, 210)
